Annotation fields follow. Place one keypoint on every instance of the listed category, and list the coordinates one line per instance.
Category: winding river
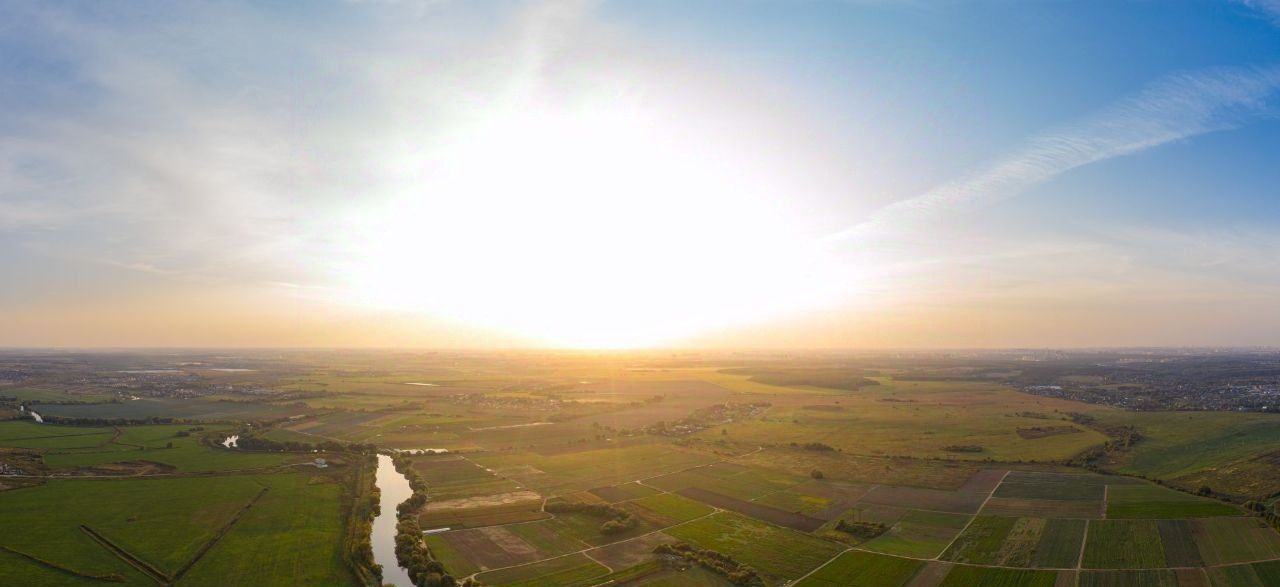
(395, 489)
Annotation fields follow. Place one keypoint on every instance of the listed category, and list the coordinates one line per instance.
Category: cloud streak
(1174, 108)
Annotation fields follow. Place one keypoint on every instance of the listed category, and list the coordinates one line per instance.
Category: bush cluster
(721, 564)
(617, 520)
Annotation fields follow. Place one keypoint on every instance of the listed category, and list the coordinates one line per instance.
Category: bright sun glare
(595, 228)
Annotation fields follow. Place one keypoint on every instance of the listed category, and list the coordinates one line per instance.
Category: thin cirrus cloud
(1177, 107)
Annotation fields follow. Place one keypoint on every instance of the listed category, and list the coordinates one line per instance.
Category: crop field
(919, 534)
(566, 571)
(1162, 578)
(1121, 544)
(163, 444)
(1234, 540)
(1255, 575)
(674, 508)
(1052, 486)
(959, 502)
(169, 522)
(1060, 544)
(1153, 501)
(927, 458)
(863, 569)
(766, 513)
(173, 408)
(962, 576)
(774, 551)
(738, 482)
(624, 492)
(562, 474)
(453, 477)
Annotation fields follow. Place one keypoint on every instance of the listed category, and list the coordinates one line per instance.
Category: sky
(607, 174)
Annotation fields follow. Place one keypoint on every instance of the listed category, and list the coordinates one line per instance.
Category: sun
(586, 228)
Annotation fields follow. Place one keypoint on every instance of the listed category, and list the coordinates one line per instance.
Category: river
(395, 489)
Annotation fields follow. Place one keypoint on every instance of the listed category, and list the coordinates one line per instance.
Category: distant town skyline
(607, 174)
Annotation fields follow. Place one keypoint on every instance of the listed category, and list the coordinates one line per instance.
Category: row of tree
(719, 563)
(617, 520)
(259, 443)
(411, 552)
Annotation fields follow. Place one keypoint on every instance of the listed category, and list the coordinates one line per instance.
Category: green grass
(776, 552)
(1060, 543)
(294, 530)
(864, 569)
(292, 536)
(962, 576)
(149, 443)
(566, 571)
(674, 507)
(1121, 544)
(454, 562)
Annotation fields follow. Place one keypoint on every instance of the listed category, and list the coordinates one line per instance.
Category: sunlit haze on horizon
(606, 174)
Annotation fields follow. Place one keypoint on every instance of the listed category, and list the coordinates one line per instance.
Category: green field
(1155, 502)
(674, 507)
(962, 576)
(292, 529)
(919, 534)
(863, 569)
(776, 552)
(566, 571)
(1121, 544)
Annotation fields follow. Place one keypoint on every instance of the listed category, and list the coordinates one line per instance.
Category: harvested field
(1056, 486)
(926, 499)
(984, 481)
(632, 552)
(755, 510)
(932, 575)
(491, 548)
(1043, 508)
(628, 491)
(475, 517)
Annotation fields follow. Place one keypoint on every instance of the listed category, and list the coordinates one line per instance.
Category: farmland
(564, 470)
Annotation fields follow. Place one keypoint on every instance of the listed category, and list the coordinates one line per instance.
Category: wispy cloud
(1175, 108)
(1271, 8)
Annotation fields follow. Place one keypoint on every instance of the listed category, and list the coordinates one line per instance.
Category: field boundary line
(207, 546)
(57, 567)
(820, 567)
(1106, 491)
(1084, 540)
(974, 517)
(128, 557)
(584, 551)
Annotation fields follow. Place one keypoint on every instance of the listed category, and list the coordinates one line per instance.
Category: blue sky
(871, 173)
